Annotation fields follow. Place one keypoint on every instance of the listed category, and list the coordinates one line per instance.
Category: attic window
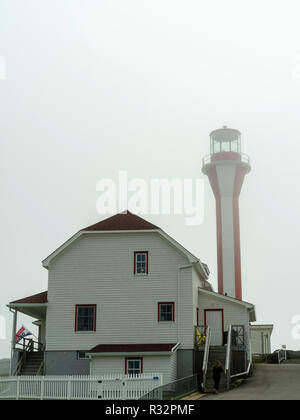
(141, 262)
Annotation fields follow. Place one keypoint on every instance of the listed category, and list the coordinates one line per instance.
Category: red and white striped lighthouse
(226, 168)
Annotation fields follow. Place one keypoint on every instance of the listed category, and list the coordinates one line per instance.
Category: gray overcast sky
(93, 87)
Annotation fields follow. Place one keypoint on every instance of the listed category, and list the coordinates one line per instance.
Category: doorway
(214, 318)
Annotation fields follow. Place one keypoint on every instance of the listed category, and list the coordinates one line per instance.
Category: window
(85, 318)
(82, 355)
(133, 366)
(141, 262)
(166, 311)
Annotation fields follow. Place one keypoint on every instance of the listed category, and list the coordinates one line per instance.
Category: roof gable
(122, 221)
(249, 306)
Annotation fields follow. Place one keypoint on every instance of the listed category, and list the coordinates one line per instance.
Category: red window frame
(76, 315)
(134, 262)
(133, 358)
(166, 303)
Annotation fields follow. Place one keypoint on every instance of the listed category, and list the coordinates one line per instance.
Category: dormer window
(141, 262)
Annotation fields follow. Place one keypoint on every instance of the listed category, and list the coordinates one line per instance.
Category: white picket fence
(106, 387)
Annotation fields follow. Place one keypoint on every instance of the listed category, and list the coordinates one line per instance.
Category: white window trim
(136, 263)
(133, 360)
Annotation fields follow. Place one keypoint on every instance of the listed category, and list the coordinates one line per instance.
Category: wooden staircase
(216, 353)
(32, 364)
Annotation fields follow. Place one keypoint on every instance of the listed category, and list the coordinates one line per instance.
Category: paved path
(269, 382)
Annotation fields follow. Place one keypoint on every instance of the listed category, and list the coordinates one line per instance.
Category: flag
(23, 332)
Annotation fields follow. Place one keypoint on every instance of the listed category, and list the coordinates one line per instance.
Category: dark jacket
(217, 371)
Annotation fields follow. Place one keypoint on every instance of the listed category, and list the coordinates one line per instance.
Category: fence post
(161, 379)
(124, 388)
(18, 388)
(69, 389)
(42, 387)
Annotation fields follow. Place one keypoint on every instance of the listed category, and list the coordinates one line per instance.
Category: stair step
(212, 382)
(32, 363)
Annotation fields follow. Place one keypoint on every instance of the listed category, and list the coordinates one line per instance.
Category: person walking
(217, 372)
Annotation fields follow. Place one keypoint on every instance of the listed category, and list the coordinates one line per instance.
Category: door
(214, 320)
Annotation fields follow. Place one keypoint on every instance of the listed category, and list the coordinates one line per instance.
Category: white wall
(98, 269)
(151, 364)
(226, 176)
(257, 347)
(234, 313)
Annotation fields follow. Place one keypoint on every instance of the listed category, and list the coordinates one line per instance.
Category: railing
(174, 390)
(243, 373)
(41, 369)
(238, 335)
(228, 350)
(200, 335)
(206, 355)
(208, 159)
(282, 354)
(228, 355)
(236, 338)
(106, 387)
(22, 358)
(27, 345)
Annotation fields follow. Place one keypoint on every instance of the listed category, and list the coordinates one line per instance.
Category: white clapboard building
(124, 297)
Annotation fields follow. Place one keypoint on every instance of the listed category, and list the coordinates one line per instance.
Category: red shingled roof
(39, 298)
(123, 221)
(127, 348)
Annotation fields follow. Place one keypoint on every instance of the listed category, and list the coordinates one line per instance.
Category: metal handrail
(228, 353)
(243, 373)
(228, 349)
(206, 354)
(174, 390)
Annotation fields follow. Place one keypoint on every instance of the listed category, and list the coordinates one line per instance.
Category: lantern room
(225, 140)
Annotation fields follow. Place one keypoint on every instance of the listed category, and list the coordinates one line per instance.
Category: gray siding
(65, 363)
(185, 363)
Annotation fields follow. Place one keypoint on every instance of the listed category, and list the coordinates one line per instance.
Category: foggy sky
(95, 87)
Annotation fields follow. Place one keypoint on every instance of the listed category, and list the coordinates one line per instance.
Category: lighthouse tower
(226, 168)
